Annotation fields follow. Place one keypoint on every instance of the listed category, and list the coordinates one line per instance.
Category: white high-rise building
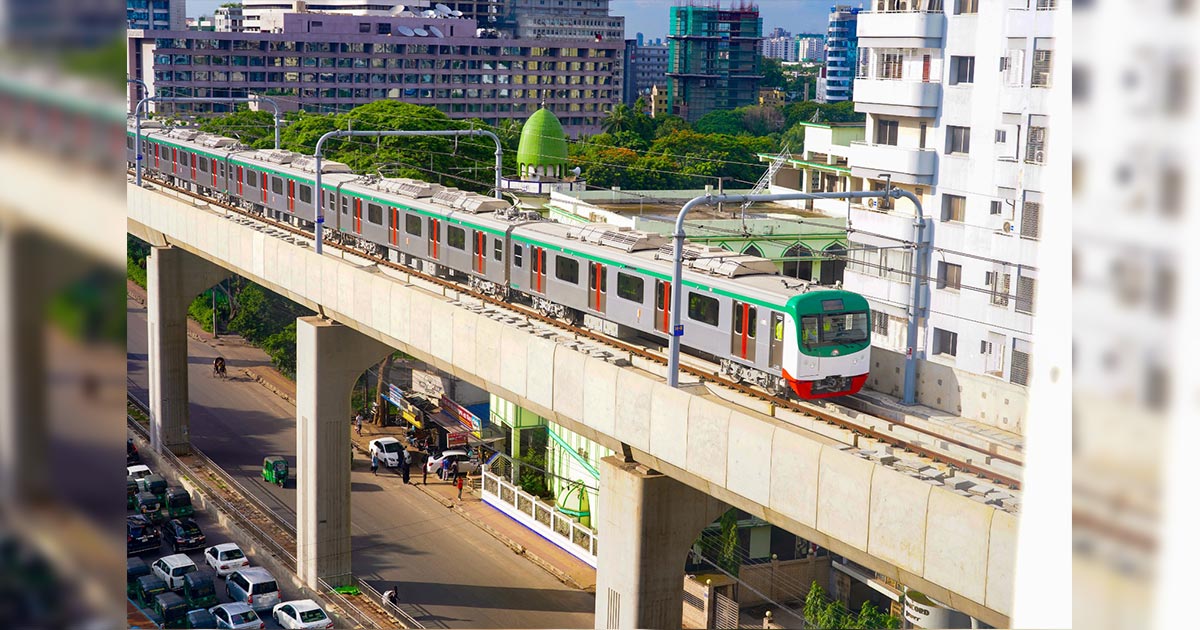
(781, 48)
(956, 105)
(810, 49)
(228, 19)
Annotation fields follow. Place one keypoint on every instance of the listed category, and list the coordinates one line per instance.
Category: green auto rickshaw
(131, 488)
(147, 588)
(156, 485)
(275, 470)
(172, 609)
(179, 503)
(150, 506)
(135, 568)
(199, 591)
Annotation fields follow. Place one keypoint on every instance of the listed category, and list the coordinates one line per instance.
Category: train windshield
(819, 331)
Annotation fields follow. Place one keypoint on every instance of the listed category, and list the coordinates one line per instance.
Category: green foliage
(256, 129)
(532, 478)
(723, 121)
(105, 63)
(727, 554)
(773, 76)
(830, 112)
(668, 124)
(823, 613)
(760, 120)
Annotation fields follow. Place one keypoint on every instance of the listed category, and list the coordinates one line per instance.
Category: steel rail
(799, 407)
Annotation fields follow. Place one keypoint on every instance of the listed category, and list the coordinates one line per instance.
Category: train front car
(827, 349)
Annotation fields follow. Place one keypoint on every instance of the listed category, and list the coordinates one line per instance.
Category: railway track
(969, 465)
(269, 529)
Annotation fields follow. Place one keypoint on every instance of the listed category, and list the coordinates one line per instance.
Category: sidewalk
(251, 362)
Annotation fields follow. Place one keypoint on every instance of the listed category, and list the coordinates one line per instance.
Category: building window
(456, 237)
(998, 284)
(631, 288)
(962, 70)
(879, 323)
(1013, 65)
(967, 7)
(412, 224)
(949, 276)
(1035, 146)
(1001, 136)
(997, 207)
(1031, 220)
(703, 308)
(566, 269)
(958, 140)
(887, 132)
(945, 342)
(954, 208)
(364, 27)
(1041, 68)
(1026, 288)
(891, 66)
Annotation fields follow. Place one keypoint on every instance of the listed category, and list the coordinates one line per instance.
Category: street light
(676, 330)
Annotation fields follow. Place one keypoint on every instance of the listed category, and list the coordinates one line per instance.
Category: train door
(240, 174)
(776, 348)
(745, 329)
(662, 306)
(358, 216)
(435, 237)
(193, 163)
(394, 228)
(291, 194)
(156, 157)
(263, 177)
(597, 286)
(479, 260)
(174, 161)
(213, 164)
(537, 256)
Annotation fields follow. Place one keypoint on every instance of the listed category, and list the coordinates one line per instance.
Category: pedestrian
(459, 483)
(446, 469)
(425, 469)
(390, 595)
(375, 463)
(405, 464)
(358, 424)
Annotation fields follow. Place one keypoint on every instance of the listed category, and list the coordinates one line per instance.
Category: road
(443, 565)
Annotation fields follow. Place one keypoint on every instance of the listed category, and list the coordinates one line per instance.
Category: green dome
(543, 141)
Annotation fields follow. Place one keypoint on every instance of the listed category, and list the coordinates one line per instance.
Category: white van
(255, 586)
(172, 568)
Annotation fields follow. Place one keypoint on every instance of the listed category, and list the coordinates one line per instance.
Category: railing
(907, 6)
(539, 516)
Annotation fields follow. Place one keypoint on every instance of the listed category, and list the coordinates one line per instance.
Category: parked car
(172, 609)
(301, 613)
(184, 534)
(465, 463)
(236, 616)
(131, 453)
(138, 471)
(172, 568)
(225, 558)
(201, 618)
(255, 586)
(140, 535)
(389, 450)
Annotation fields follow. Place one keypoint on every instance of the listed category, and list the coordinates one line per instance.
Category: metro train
(781, 333)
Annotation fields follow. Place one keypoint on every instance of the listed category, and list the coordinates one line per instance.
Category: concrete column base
(329, 359)
(174, 278)
(648, 521)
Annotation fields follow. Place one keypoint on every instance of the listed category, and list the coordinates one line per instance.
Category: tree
(640, 105)
(772, 73)
(760, 120)
(727, 553)
(721, 121)
(668, 124)
(620, 118)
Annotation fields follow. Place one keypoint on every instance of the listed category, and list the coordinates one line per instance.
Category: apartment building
(157, 15)
(781, 48)
(330, 62)
(229, 19)
(645, 67)
(956, 103)
(714, 59)
(810, 49)
(836, 83)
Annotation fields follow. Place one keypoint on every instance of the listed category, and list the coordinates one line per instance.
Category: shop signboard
(472, 422)
(922, 612)
(430, 385)
(395, 395)
(458, 438)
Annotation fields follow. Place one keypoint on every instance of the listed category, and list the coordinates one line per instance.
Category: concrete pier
(329, 359)
(174, 278)
(649, 521)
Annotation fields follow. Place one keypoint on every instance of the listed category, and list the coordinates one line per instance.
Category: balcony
(897, 97)
(907, 165)
(901, 29)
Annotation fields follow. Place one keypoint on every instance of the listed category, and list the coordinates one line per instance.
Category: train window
(751, 329)
(517, 253)
(251, 178)
(203, 166)
(375, 213)
(456, 237)
(631, 288)
(306, 194)
(498, 249)
(412, 224)
(703, 308)
(345, 205)
(277, 185)
(129, 142)
(566, 269)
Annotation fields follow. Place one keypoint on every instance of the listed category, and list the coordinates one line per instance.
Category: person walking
(424, 459)
(405, 464)
(459, 482)
(375, 463)
(358, 424)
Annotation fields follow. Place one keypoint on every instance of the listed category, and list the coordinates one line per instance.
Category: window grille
(1026, 287)
(1020, 368)
(1031, 220)
(998, 283)
(1035, 147)
(1041, 68)
(891, 66)
(879, 323)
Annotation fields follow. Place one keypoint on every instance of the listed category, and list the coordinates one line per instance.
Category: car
(140, 535)
(236, 616)
(389, 450)
(255, 586)
(138, 471)
(131, 453)
(465, 463)
(225, 558)
(301, 613)
(172, 568)
(184, 534)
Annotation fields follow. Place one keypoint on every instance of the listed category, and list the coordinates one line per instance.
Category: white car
(225, 558)
(389, 450)
(236, 616)
(466, 465)
(172, 568)
(301, 613)
(138, 471)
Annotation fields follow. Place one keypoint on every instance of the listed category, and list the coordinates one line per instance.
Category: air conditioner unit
(1007, 228)
(873, 203)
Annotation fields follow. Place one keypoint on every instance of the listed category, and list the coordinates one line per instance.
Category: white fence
(541, 517)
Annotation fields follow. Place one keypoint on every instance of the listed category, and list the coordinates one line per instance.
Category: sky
(650, 16)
